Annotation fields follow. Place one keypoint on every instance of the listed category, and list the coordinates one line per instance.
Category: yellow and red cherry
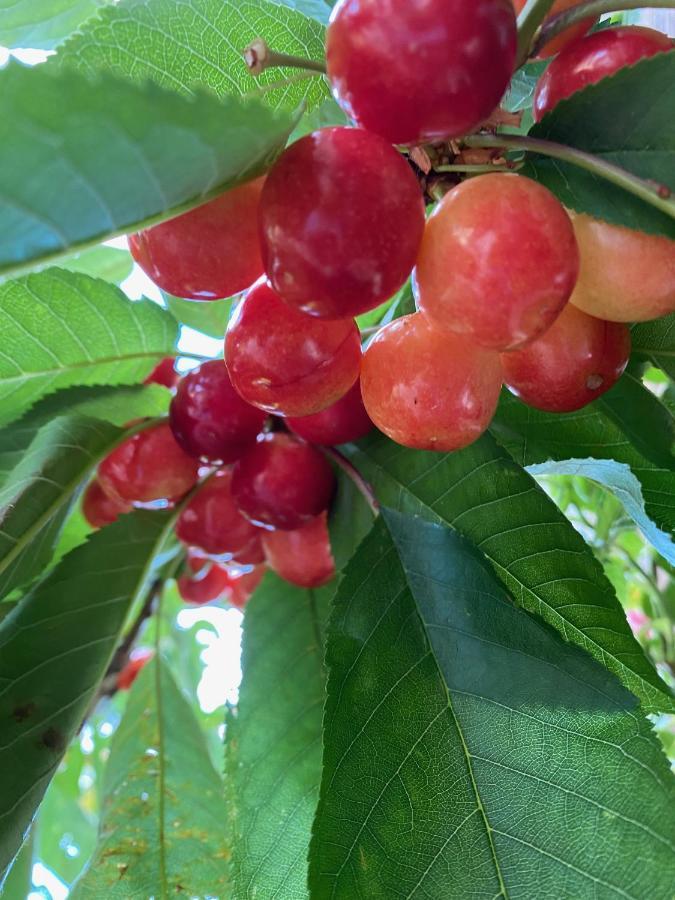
(302, 557)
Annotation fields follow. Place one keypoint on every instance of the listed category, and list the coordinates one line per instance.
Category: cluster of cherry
(510, 288)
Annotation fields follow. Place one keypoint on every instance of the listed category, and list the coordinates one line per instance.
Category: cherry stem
(478, 169)
(352, 472)
(657, 195)
(586, 10)
(533, 14)
(258, 56)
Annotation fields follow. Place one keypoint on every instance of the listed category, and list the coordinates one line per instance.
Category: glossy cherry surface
(429, 389)
(566, 37)
(100, 509)
(208, 417)
(498, 262)
(344, 421)
(211, 520)
(595, 57)
(575, 362)
(302, 557)
(208, 585)
(625, 275)
(164, 373)
(243, 584)
(252, 554)
(418, 71)
(210, 252)
(132, 669)
(282, 482)
(341, 220)
(148, 466)
(285, 362)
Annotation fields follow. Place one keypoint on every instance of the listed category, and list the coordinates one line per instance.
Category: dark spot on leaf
(23, 712)
(52, 739)
(122, 868)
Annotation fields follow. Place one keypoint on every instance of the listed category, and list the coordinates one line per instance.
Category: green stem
(258, 56)
(587, 10)
(477, 169)
(533, 14)
(657, 195)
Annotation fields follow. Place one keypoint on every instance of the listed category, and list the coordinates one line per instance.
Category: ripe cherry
(210, 252)
(131, 670)
(302, 557)
(419, 71)
(282, 482)
(211, 520)
(625, 275)
(285, 362)
(252, 554)
(566, 37)
(341, 220)
(578, 359)
(164, 373)
(243, 584)
(99, 509)
(208, 417)
(595, 57)
(429, 389)
(498, 262)
(344, 421)
(148, 466)
(208, 585)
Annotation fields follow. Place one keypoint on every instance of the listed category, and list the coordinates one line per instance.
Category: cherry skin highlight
(211, 520)
(282, 482)
(132, 669)
(210, 584)
(147, 467)
(209, 419)
(625, 275)
(566, 37)
(344, 421)
(420, 71)
(575, 362)
(164, 374)
(302, 557)
(596, 56)
(498, 262)
(210, 252)
(100, 509)
(243, 584)
(341, 220)
(285, 362)
(428, 389)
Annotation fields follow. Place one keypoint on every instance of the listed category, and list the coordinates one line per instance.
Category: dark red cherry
(208, 585)
(420, 71)
(131, 671)
(208, 417)
(210, 252)
(164, 373)
(344, 421)
(341, 220)
(252, 554)
(302, 557)
(211, 520)
(99, 508)
(243, 585)
(285, 362)
(148, 466)
(595, 57)
(282, 482)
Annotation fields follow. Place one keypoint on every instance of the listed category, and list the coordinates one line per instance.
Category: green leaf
(199, 43)
(18, 881)
(536, 553)
(350, 520)
(107, 263)
(470, 752)
(656, 341)
(273, 749)
(55, 647)
(62, 329)
(208, 316)
(626, 120)
(84, 160)
(162, 825)
(42, 23)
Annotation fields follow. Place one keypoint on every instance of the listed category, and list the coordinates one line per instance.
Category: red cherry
(210, 252)
(285, 362)
(197, 560)
(341, 220)
(99, 509)
(243, 585)
(344, 421)
(282, 482)
(302, 557)
(429, 389)
(499, 261)
(419, 71)
(566, 37)
(164, 374)
(252, 554)
(211, 520)
(595, 57)
(577, 360)
(208, 417)
(148, 466)
(130, 672)
(210, 584)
